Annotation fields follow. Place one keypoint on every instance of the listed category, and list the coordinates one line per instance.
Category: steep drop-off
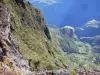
(27, 39)
(27, 44)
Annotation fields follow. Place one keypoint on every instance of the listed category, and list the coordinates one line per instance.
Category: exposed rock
(21, 2)
(68, 30)
(52, 72)
(4, 24)
(30, 31)
(89, 72)
(47, 33)
(5, 35)
(10, 49)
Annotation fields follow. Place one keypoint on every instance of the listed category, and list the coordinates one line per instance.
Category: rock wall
(10, 49)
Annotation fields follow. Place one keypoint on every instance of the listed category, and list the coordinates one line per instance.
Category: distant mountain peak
(69, 27)
(93, 23)
(68, 30)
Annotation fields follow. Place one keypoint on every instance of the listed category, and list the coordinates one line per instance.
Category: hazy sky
(68, 12)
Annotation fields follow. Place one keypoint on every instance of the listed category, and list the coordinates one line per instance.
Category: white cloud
(48, 2)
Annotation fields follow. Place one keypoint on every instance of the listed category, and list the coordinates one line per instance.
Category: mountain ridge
(27, 45)
(32, 41)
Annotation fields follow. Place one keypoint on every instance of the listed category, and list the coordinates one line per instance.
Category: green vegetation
(72, 73)
(79, 54)
(43, 49)
(29, 30)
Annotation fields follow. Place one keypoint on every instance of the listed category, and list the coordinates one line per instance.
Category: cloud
(48, 2)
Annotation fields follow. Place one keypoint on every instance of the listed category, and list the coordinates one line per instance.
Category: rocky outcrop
(89, 72)
(4, 28)
(10, 49)
(68, 30)
(52, 72)
(26, 45)
(4, 24)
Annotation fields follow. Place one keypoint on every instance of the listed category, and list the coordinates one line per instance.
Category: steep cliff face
(29, 45)
(26, 43)
(10, 56)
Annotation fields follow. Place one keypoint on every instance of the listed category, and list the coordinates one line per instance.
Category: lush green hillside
(29, 30)
(90, 33)
(79, 54)
(26, 43)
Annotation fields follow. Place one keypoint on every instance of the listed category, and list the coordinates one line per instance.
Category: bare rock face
(68, 30)
(89, 72)
(10, 49)
(5, 35)
(52, 72)
(20, 2)
(4, 24)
